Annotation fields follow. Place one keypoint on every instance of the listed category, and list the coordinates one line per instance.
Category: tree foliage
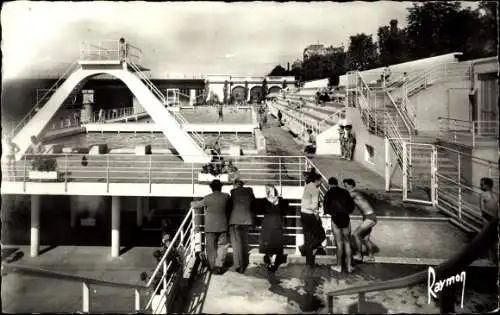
(278, 71)
(433, 28)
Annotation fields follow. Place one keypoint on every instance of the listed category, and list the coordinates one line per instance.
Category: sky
(184, 38)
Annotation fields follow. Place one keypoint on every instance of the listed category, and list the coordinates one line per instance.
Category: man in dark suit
(241, 218)
(216, 205)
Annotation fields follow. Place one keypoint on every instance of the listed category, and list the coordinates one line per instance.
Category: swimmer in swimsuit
(362, 233)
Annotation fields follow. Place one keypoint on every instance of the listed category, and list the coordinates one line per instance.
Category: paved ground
(298, 289)
(27, 294)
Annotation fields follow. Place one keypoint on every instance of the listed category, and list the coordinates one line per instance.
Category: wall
(398, 69)
(327, 142)
(488, 152)
(321, 83)
(363, 137)
(445, 99)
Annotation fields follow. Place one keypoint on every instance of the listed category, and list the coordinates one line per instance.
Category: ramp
(185, 145)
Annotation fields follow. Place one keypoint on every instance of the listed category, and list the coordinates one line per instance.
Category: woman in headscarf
(274, 209)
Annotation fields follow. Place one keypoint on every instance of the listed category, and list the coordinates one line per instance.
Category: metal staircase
(164, 100)
(46, 96)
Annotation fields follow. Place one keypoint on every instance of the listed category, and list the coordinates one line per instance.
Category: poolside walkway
(295, 288)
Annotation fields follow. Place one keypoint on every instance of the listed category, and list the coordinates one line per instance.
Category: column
(192, 97)
(115, 226)
(86, 113)
(139, 211)
(35, 225)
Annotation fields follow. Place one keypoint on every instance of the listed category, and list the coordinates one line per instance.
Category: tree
(362, 53)
(392, 44)
(278, 71)
(224, 91)
(429, 26)
(246, 90)
(264, 88)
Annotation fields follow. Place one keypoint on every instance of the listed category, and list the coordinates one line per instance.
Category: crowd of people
(228, 218)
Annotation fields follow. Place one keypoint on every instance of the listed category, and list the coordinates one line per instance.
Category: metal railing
(467, 132)
(109, 50)
(162, 284)
(155, 169)
(44, 98)
(409, 124)
(165, 278)
(115, 113)
(451, 267)
(164, 99)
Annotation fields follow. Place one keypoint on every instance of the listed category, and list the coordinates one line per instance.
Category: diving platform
(96, 55)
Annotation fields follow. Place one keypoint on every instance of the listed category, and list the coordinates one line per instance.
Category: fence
(109, 50)
(467, 132)
(156, 169)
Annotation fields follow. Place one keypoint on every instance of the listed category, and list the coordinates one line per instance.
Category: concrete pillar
(192, 97)
(115, 226)
(35, 225)
(139, 211)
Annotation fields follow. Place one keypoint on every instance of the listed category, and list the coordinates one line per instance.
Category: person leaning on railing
(312, 227)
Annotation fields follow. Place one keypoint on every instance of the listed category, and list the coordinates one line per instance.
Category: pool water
(157, 140)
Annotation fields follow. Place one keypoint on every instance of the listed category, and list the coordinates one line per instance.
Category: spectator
(216, 227)
(280, 116)
(36, 146)
(350, 142)
(12, 150)
(339, 205)
(342, 139)
(362, 232)
(488, 204)
(312, 227)
(271, 242)
(310, 141)
(240, 219)
(123, 49)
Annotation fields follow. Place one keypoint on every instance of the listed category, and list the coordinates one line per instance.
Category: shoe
(357, 258)
(336, 268)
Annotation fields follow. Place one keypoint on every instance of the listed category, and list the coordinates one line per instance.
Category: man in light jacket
(241, 218)
(216, 205)
(312, 228)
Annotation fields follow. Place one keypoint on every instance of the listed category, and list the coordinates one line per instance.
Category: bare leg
(346, 235)
(369, 248)
(340, 248)
(360, 230)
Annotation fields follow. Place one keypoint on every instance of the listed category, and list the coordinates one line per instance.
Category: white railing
(149, 84)
(165, 278)
(115, 113)
(466, 131)
(421, 80)
(44, 98)
(196, 135)
(109, 50)
(335, 117)
(409, 124)
(154, 169)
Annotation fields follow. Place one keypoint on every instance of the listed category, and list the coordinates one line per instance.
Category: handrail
(450, 267)
(39, 104)
(403, 117)
(337, 113)
(493, 163)
(37, 272)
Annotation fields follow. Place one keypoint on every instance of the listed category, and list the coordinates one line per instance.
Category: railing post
(387, 165)
(107, 173)
(473, 134)
(405, 171)
(66, 173)
(86, 298)
(137, 300)
(280, 183)
(149, 173)
(459, 189)
(192, 177)
(24, 174)
(434, 177)
(361, 302)
(454, 131)
(164, 276)
(300, 171)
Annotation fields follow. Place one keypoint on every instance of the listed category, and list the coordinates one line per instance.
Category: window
(369, 153)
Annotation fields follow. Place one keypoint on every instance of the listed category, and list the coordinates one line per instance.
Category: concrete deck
(295, 289)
